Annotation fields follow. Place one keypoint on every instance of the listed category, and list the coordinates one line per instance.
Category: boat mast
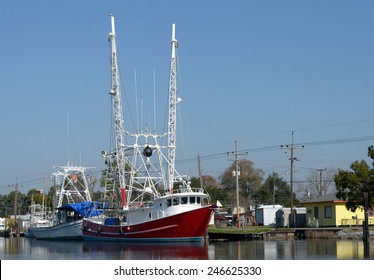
(172, 112)
(115, 92)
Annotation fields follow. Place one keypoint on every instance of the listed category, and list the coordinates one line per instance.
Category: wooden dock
(228, 236)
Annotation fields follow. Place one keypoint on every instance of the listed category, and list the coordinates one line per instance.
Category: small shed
(265, 214)
(283, 217)
(221, 219)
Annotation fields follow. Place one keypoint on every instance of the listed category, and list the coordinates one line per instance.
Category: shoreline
(267, 233)
(353, 234)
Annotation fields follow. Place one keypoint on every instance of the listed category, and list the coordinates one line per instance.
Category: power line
(224, 154)
(335, 125)
(338, 141)
(295, 130)
(277, 147)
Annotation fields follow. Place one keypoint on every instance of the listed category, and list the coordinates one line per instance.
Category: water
(310, 249)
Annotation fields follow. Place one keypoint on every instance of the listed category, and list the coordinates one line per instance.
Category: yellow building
(328, 211)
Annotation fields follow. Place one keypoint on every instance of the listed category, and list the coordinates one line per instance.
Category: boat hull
(70, 230)
(186, 226)
(29, 234)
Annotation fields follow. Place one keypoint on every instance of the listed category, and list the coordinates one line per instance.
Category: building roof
(277, 206)
(331, 197)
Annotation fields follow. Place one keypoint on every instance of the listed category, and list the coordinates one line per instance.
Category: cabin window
(70, 213)
(168, 202)
(175, 201)
(192, 200)
(198, 200)
(184, 200)
(328, 212)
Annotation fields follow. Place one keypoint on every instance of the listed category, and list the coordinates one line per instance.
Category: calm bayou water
(31, 249)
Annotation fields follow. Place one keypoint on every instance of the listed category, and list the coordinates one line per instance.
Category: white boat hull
(71, 230)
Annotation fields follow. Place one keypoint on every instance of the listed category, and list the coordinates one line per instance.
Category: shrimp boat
(157, 203)
(73, 202)
(39, 217)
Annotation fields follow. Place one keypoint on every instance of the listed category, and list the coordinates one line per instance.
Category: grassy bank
(241, 230)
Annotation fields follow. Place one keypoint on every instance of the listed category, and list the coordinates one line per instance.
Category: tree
(319, 183)
(6, 206)
(212, 187)
(351, 185)
(21, 205)
(250, 180)
(282, 194)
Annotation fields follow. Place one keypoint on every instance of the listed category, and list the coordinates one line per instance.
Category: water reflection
(151, 251)
(293, 250)
(23, 248)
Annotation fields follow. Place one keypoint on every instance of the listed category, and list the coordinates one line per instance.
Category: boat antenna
(67, 134)
(136, 101)
(154, 101)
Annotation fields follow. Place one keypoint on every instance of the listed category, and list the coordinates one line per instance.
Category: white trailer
(265, 214)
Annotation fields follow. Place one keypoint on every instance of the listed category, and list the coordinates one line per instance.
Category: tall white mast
(118, 116)
(172, 112)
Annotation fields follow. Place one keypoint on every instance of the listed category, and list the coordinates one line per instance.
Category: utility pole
(320, 180)
(237, 184)
(273, 192)
(200, 175)
(292, 148)
(365, 229)
(15, 208)
(237, 174)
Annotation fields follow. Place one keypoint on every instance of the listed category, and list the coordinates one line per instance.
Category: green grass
(242, 230)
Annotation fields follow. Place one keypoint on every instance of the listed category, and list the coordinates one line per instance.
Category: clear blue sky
(251, 71)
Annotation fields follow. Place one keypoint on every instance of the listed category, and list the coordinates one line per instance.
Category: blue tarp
(86, 209)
